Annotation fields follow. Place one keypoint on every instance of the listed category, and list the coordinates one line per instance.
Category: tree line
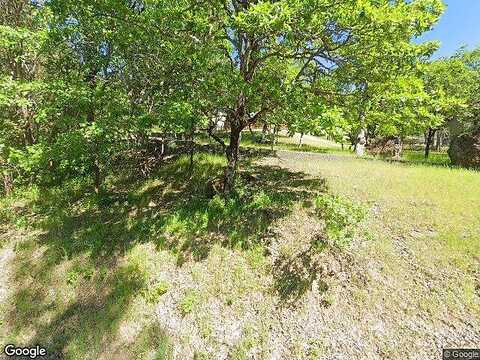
(84, 83)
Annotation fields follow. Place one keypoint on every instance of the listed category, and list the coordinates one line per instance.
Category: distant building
(220, 121)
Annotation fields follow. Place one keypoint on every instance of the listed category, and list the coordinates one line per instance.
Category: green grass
(164, 263)
(283, 142)
(325, 146)
(434, 211)
(418, 157)
(287, 143)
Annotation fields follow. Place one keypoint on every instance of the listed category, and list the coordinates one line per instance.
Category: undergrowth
(341, 217)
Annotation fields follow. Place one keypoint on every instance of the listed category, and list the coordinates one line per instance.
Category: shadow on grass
(87, 237)
(415, 158)
(294, 276)
(90, 322)
(186, 219)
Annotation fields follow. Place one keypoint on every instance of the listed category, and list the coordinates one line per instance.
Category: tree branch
(216, 137)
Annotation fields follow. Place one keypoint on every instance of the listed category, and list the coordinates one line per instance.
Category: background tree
(22, 32)
(260, 42)
(388, 68)
(448, 83)
(464, 126)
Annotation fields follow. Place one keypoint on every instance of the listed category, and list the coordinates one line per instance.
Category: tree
(381, 86)
(22, 33)
(447, 82)
(105, 82)
(464, 126)
(118, 69)
(258, 44)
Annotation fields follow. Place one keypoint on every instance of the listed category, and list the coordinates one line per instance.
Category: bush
(153, 294)
(341, 218)
(188, 303)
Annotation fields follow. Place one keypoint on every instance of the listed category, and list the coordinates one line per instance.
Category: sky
(459, 25)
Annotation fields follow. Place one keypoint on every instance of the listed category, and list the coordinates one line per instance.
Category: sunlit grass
(434, 212)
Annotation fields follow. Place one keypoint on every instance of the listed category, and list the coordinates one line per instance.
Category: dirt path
(289, 156)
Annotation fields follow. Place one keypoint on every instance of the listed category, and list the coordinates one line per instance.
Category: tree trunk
(398, 148)
(251, 132)
(97, 177)
(7, 183)
(191, 148)
(96, 173)
(429, 141)
(232, 153)
(362, 135)
(361, 142)
(264, 132)
(272, 139)
(29, 138)
(439, 140)
(353, 140)
(301, 140)
(162, 148)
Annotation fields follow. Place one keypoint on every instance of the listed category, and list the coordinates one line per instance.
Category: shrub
(188, 303)
(341, 218)
(153, 294)
(260, 201)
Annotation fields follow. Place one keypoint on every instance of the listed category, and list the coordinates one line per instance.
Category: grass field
(161, 268)
(324, 146)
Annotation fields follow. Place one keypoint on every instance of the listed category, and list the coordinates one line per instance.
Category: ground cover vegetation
(182, 179)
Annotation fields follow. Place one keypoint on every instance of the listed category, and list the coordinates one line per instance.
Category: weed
(153, 341)
(72, 277)
(341, 218)
(261, 201)
(189, 301)
(153, 294)
(328, 300)
(201, 356)
(316, 349)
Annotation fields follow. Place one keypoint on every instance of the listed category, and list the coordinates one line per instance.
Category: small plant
(72, 277)
(153, 294)
(261, 201)
(316, 349)
(200, 356)
(328, 300)
(87, 272)
(216, 209)
(189, 302)
(341, 218)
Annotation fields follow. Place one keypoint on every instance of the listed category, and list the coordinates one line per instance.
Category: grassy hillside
(162, 268)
